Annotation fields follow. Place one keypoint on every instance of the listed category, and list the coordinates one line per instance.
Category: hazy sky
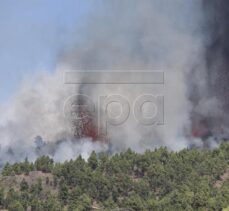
(32, 35)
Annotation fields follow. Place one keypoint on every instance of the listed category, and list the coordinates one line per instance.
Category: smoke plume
(187, 40)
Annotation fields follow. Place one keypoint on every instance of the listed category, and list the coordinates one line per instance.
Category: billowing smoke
(151, 36)
(187, 40)
(210, 97)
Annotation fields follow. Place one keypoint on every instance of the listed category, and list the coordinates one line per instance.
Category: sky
(32, 35)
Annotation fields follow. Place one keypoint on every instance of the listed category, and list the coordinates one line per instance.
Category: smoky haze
(210, 98)
(185, 40)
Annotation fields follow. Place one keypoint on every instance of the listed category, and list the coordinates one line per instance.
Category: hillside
(191, 179)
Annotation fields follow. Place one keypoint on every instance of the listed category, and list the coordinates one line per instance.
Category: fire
(85, 127)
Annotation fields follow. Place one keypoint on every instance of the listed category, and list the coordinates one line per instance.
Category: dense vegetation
(191, 179)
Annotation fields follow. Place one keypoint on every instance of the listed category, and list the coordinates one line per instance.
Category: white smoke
(68, 150)
(120, 35)
(146, 35)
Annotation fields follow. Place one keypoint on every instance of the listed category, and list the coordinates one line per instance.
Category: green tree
(11, 196)
(26, 166)
(135, 203)
(84, 203)
(109, 204)
(74, 197)
(63, 192)
(103, 161)
(92, 161)
(2, 197)
(36, 205)
(44, 164)
(51, 204)
(7, 169)
(36, 189)
(24, 185)
(15, 206)
(25, 199)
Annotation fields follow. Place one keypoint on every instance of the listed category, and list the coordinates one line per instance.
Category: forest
(191, 179)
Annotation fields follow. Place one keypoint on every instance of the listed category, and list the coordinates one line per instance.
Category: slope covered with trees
(191, 179)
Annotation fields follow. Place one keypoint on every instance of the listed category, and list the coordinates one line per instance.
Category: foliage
(155, 180)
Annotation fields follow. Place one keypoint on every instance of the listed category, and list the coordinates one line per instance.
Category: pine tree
(63, 192)
(24, 185)
(92, 161)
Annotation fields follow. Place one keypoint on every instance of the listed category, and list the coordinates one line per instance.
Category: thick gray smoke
(127, 35)
(210, 98)
(147, 35)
